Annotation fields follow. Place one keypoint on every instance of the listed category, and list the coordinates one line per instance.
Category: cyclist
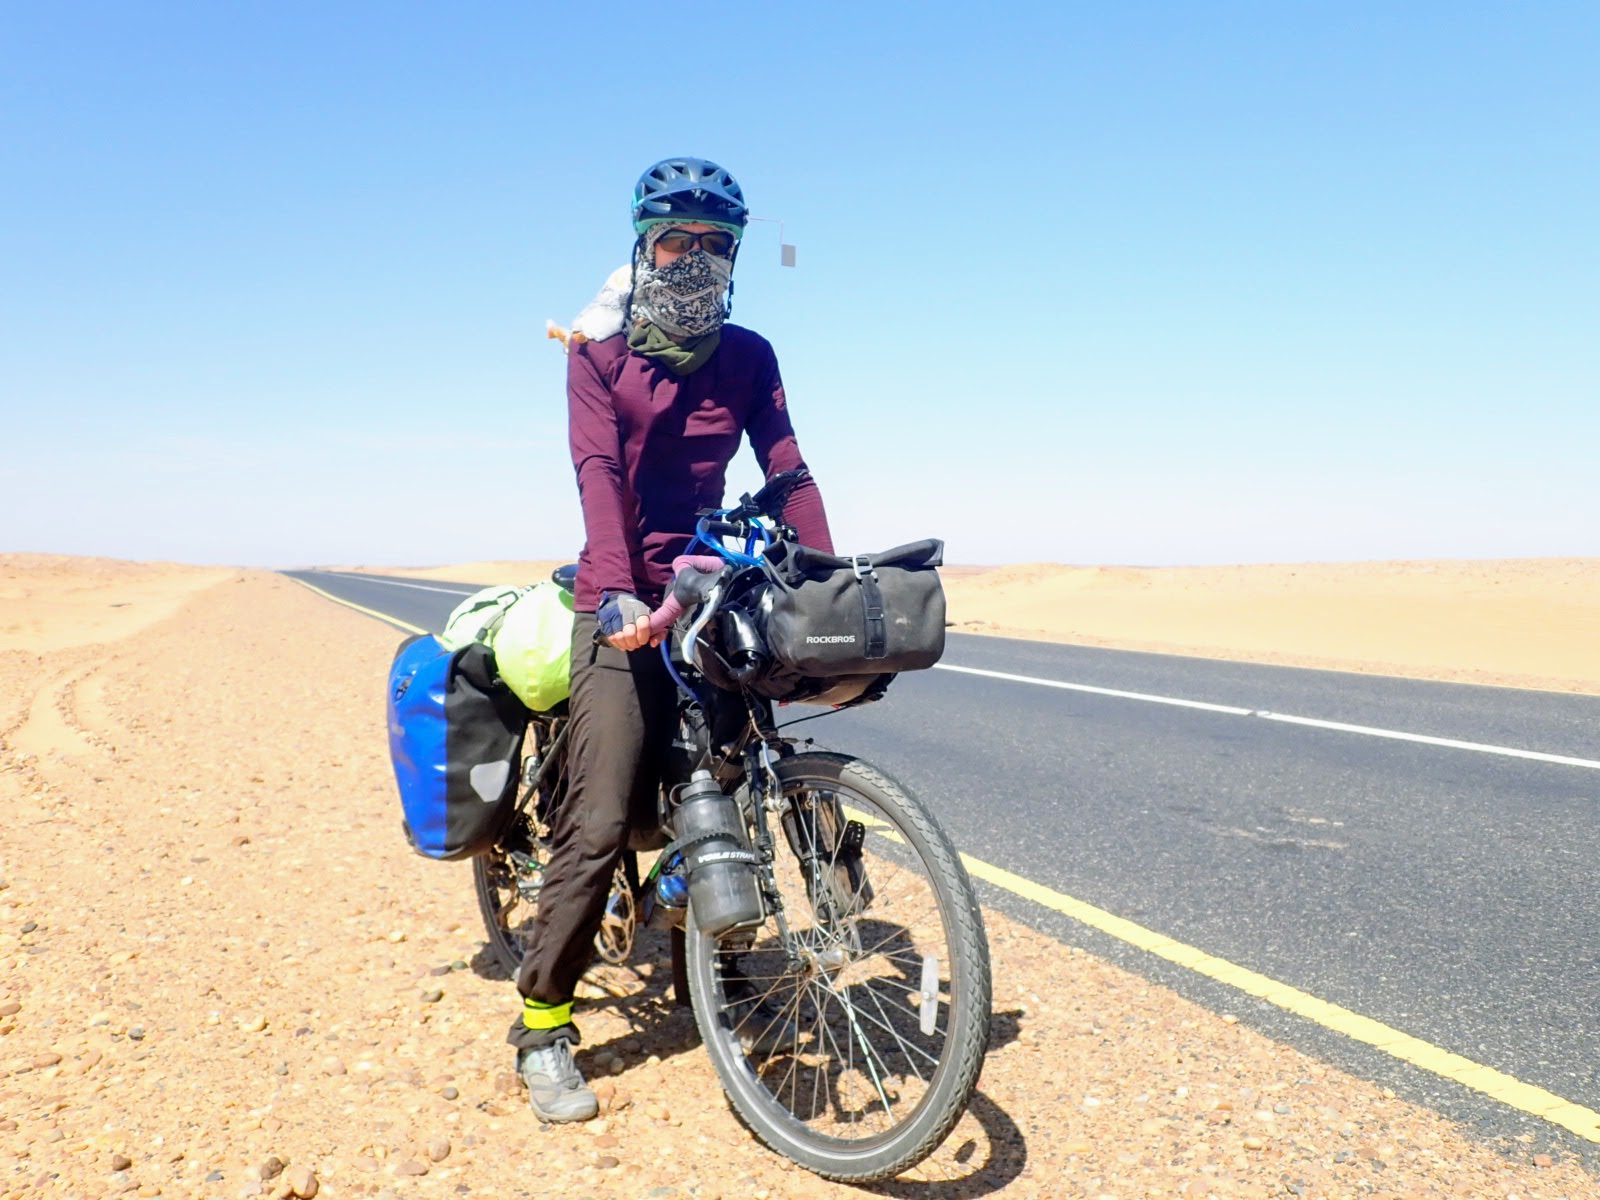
(656, 411)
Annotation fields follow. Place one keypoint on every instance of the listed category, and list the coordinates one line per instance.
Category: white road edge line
(1564, 760)
(421, 587)
(1229, 709)
(1232, 710)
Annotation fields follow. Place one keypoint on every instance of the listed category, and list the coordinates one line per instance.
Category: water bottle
(720, 865)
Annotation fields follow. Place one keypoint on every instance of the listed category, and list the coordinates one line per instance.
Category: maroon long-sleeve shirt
(651, 448)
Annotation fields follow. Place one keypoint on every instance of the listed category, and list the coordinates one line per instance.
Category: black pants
(623, 718)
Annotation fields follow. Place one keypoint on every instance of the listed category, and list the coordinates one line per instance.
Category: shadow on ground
(972, 1162)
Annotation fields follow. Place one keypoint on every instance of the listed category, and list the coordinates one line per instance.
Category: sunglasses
(717, 242)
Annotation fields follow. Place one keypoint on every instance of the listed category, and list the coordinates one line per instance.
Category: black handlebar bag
(863, 615)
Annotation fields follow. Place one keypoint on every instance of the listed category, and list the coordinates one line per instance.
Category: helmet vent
(688, 189)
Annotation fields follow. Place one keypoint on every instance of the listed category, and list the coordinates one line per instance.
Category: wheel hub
(827, 961)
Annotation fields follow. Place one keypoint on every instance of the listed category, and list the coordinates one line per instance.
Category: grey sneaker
(556, 1090)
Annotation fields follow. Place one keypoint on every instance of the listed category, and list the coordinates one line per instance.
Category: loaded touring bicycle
(823, 928)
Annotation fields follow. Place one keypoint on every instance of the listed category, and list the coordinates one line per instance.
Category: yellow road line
(1585, 1122)
(371, 612)
(1496, 1085)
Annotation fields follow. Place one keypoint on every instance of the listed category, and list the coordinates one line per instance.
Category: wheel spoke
(820, 1072)
(889, 937)
(886, 1024)
(849, 1056)
(777, 979)
(867, 1054)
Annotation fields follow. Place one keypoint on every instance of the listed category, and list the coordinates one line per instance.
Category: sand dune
(1513, 622)
(52, 602)
(1516, 622)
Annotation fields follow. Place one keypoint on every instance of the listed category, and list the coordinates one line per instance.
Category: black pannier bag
(827, 616)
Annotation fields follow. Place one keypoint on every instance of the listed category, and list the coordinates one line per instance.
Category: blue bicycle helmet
(688, 189)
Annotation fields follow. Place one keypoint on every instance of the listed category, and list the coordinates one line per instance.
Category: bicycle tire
(495, 874)
(904, 837)
(493, 882)
(504, 945)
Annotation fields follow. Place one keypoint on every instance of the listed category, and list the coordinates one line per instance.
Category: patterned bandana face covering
(686, 298)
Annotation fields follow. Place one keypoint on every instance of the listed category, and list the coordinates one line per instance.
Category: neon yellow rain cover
(533, 646)
(476, 617)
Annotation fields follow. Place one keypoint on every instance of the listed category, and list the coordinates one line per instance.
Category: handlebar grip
(693, 577)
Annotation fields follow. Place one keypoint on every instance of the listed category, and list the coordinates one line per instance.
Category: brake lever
(691, 636)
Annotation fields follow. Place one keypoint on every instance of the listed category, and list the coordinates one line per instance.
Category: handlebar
(695, 577)
(697, 584)
(770, 500)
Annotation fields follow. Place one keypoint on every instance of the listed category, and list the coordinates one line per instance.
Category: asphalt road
(1448, 892)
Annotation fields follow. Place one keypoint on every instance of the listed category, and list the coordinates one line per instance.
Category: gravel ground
(222, 973)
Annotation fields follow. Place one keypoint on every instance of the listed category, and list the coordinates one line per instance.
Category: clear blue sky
(1131, 283)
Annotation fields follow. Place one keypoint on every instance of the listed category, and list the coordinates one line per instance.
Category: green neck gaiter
(681, 358)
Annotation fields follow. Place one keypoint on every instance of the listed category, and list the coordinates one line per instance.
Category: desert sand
(226, 975)
(1530, 623)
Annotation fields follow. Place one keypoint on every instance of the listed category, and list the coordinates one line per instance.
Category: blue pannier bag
(455, 737)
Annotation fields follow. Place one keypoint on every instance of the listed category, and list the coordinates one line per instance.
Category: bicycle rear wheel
(849, 1032)
(506, 879)
(506, 883)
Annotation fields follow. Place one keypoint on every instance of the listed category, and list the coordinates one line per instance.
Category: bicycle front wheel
(849, 1032)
